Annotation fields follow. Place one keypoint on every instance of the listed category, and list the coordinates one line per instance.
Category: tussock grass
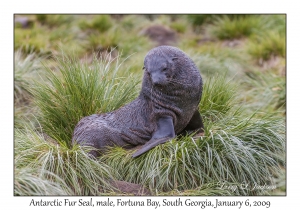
(103, 41)
(47, 34)
(42, 163)
(29, 183)
(267, 90)
(54, 20)
(199, 19)
(24, 114)
(32, 41)
(99, 23)
(218, 97)
(26, 69)
(77, 90)
(113, 39)
(211, 189)
(276, 23)
(280, 180)
(267, 45)
(180, 27)
(211, 64)
(238, 27)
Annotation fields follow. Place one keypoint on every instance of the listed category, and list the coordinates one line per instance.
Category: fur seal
(166, 106)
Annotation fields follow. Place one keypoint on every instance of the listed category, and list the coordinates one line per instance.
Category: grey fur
(171, 89)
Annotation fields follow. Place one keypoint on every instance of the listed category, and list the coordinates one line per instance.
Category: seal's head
(168, 71)
(159, 66)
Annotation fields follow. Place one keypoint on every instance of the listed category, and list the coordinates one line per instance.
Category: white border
(8, 8)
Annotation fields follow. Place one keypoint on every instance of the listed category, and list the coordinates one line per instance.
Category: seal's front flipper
(149, 145)
(164, 132)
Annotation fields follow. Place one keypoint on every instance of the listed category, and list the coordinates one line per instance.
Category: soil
(160, 34)
(130, 188)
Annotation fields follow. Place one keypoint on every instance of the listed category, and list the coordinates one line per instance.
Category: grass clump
(179, 26)
(77, 90)
(103, 41)
(266, 89)
(198, 20)
(275, 23)
(32, 41)
(99, 23)
(215, 62)
(218, 97)
(235, 28)
(54, 20)
(45, 167)
(270, 41)
(28, 182)
(210, 189)
(27, 68)
(267, 45)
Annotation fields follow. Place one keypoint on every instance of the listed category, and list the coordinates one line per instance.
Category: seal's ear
(173, 59)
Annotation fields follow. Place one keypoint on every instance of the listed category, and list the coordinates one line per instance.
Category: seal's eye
(144, 68)
(164, 69)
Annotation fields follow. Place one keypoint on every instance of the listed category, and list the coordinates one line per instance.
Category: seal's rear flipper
(164, 132)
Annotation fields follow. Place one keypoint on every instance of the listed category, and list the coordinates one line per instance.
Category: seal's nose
(156, 78)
